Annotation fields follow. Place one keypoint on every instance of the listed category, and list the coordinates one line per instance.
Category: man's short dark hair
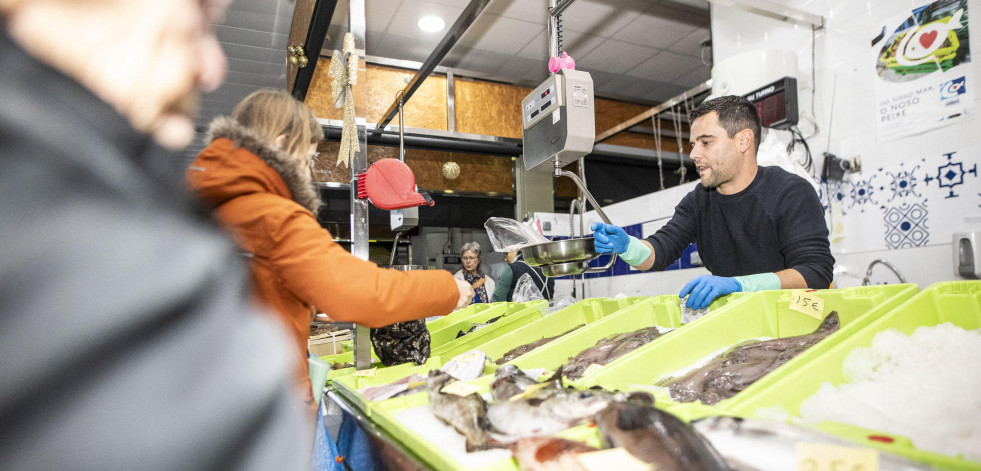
(735, 114)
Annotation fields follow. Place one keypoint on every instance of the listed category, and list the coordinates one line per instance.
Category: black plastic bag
(401, 342)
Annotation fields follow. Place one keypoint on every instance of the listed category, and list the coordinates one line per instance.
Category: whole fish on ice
(547, 410)
(609, 349)
(467, 414)
(522, 349)
(734, 370)
(509, 380)
(770, 445)
(657, 437)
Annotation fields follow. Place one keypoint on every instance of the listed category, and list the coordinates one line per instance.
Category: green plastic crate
(349, 385)
(657, 310)
(434, 454)
(557, 323)
(762, 314)
(516, 316)
(443, 331)
(385, 416)
(456, 316)
(957, 302)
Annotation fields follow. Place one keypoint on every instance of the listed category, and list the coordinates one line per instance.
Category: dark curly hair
(735, 114)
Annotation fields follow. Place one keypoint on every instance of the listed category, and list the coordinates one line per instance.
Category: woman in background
(483, 285)
(517, 266)
(255, 175)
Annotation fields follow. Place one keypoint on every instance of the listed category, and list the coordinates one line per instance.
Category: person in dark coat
(129, 338)
(512, 273)
(756, 228)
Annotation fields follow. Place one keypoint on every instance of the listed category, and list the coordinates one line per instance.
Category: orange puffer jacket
(268, 204)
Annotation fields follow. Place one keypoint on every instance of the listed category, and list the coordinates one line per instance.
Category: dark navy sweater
(776, 223)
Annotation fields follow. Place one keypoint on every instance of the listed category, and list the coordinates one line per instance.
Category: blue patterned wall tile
(862, 193)
(906, 225)
(951, 174)
(903, 183)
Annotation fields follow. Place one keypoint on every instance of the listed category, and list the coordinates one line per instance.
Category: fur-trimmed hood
(231, 172)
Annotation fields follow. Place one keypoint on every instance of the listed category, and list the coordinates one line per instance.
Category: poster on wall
(923, 73)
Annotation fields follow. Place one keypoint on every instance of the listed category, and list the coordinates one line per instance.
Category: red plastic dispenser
(390, 184)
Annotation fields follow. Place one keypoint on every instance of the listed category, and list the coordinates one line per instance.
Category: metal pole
(469, 15)
(553, 37)
(359, 163)
(401, 128)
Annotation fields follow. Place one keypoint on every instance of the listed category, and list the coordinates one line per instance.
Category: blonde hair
(273, 113)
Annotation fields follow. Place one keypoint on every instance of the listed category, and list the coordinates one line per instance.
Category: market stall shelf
(761, 315)
(661, 311)
(956, 302)
(557, 323)
(445, 330)
(486, 326)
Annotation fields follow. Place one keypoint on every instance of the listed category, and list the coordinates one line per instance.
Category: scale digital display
(776, 103)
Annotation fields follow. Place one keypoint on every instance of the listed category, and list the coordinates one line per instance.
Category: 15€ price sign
(822, 457)
(807, 303)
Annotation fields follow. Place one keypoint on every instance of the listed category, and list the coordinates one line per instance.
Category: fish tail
(484, 444)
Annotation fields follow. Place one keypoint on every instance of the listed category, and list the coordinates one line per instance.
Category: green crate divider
(455, 316)
(349, 385)
(762, 314)
(957, 302)
(443, 331)
(557, 323)
(531, 312)
(664, 310)
(656, 310)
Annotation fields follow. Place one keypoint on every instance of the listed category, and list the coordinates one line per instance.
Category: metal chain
(657, 148)
(676, 121)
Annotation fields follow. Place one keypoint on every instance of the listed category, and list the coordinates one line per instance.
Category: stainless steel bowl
(407, 267)
(564, 269)
(560, 251)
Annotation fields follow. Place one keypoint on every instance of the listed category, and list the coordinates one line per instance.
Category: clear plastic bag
(560, 302)
(507, 234)
(691, 315)
(526, 290)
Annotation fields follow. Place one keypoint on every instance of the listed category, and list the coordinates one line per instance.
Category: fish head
(575, 406)
(437, 379)
(830, 323)
(506, 371)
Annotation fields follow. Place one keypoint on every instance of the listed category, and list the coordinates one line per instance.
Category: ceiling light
(431, 24)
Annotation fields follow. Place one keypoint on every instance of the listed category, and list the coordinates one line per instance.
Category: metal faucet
(868, 273)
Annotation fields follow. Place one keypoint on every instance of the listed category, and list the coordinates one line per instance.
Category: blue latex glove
(702, 290)
(609, 238)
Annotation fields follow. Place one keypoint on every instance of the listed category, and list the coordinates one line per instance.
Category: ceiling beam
(323, 11)
(469, 15)
(688, 94)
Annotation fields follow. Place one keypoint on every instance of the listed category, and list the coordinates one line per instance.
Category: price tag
(613, 458)
(821, 457)
(470, 357)
(367, 373)
(459, 388)
(592, 369)
(528, 392)
(807, 303)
